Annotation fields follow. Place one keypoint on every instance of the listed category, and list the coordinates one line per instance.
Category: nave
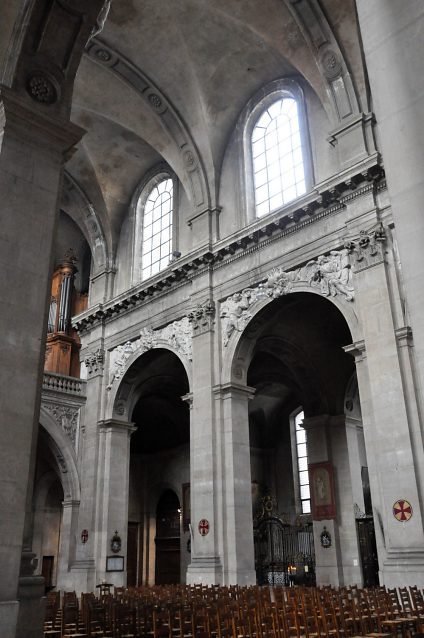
(200, 611)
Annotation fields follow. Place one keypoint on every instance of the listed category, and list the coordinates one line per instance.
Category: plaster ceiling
(207, 57)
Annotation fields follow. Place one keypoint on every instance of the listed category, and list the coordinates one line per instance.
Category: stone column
(238, 549)
(393, 444)
(327, 560)
(394, 50)
(205, 566)
(32, 150)
(67, 544)
(114, 463)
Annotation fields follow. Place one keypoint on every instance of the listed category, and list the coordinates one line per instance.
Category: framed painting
(321, 481)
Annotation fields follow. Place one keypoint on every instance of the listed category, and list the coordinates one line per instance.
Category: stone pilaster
(394, 50)
(67, 546)
(114, 463)
(389, 419)
(236, 486)
(205, 566)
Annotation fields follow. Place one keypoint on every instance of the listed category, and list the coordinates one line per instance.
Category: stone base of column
(83, 575)
(8, 618)
(31, 607)
(240, 577)
(206, 570)
(403, 567)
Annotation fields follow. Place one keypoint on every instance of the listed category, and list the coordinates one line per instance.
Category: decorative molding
(261, 233)
(367, 250)
(331, 274)
(94, 361)
(177, 334)
(202, 318)
(66, 417)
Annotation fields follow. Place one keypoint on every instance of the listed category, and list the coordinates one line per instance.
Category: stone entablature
(295, 217)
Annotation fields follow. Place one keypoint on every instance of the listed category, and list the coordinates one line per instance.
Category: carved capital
(202, 318)
(367, 250)
(94, 361)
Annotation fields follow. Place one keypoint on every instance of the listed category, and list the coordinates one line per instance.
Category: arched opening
(297, 366)
(48, 497)
(167, 570)
(159, 467)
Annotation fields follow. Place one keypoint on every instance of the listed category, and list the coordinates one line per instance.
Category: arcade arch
(291, 356)
(159, 462)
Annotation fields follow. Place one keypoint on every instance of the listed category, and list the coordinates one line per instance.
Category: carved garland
(177, 334)
(331, 274)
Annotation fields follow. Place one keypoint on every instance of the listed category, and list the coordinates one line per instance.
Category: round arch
(239, 350)
(63, 452)
(123, 393)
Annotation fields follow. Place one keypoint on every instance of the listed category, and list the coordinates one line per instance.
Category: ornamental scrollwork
(177, 334)
(94, 361)
(202, 317)
(331, 274)
(67, 418)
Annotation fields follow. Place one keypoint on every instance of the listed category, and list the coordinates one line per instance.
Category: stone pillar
(327, 560)
(67, 544)
(205, 566)
(114, 463)
(238, 549)
(389, 411)
(394, 50)
(32, 150)
(83, 568)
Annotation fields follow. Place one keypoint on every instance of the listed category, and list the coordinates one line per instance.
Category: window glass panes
(302, 463)
(157, 229)
(278, 168)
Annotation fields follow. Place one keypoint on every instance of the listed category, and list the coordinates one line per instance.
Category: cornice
(311, 208)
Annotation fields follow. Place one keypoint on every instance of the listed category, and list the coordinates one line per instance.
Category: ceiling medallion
(41, 88)
(331, 64)
(103, 55)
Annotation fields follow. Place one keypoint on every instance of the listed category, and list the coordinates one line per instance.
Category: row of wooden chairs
(237, 612)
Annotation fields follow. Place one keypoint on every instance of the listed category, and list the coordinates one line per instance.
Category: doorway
(167, 571)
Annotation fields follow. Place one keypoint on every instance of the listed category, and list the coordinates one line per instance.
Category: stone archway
(290, 356)
(145, 448)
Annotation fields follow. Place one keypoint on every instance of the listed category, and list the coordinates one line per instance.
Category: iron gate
(284, 552)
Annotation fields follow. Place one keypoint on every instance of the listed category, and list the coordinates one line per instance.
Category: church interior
(212, 334)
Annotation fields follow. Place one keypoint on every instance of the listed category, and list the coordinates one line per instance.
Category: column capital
(225, 390)
(35, 126)
(70, 503)
(114, 425)
(188, 398)
(357, 350)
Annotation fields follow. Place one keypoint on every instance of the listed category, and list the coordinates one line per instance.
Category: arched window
(277, 154)
(301, 463)
(275, 149)
(154, 228)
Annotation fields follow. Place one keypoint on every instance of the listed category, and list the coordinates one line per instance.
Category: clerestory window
(154, 227)
(277, 154)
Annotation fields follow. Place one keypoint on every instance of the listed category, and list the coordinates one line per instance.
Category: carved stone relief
(202, 317)
(367, 250)
(177, 334)
(331, 274)
(66, 417)
(94, 361)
